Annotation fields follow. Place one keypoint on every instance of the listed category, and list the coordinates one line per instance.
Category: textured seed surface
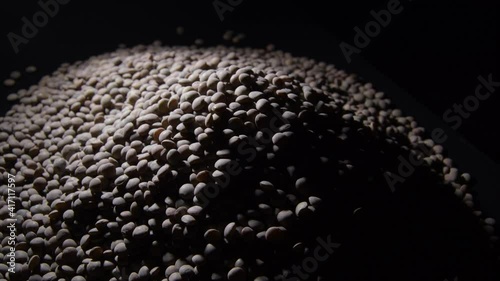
(30, 69)
(164, 163)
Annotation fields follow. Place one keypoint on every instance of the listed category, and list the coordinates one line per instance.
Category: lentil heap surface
(183, 163)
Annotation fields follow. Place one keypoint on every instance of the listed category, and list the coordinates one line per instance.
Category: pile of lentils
(190, 163)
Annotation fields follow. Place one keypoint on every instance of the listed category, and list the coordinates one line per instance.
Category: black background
(434, 50)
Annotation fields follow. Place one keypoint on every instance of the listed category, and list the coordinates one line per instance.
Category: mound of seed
(182, 163)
